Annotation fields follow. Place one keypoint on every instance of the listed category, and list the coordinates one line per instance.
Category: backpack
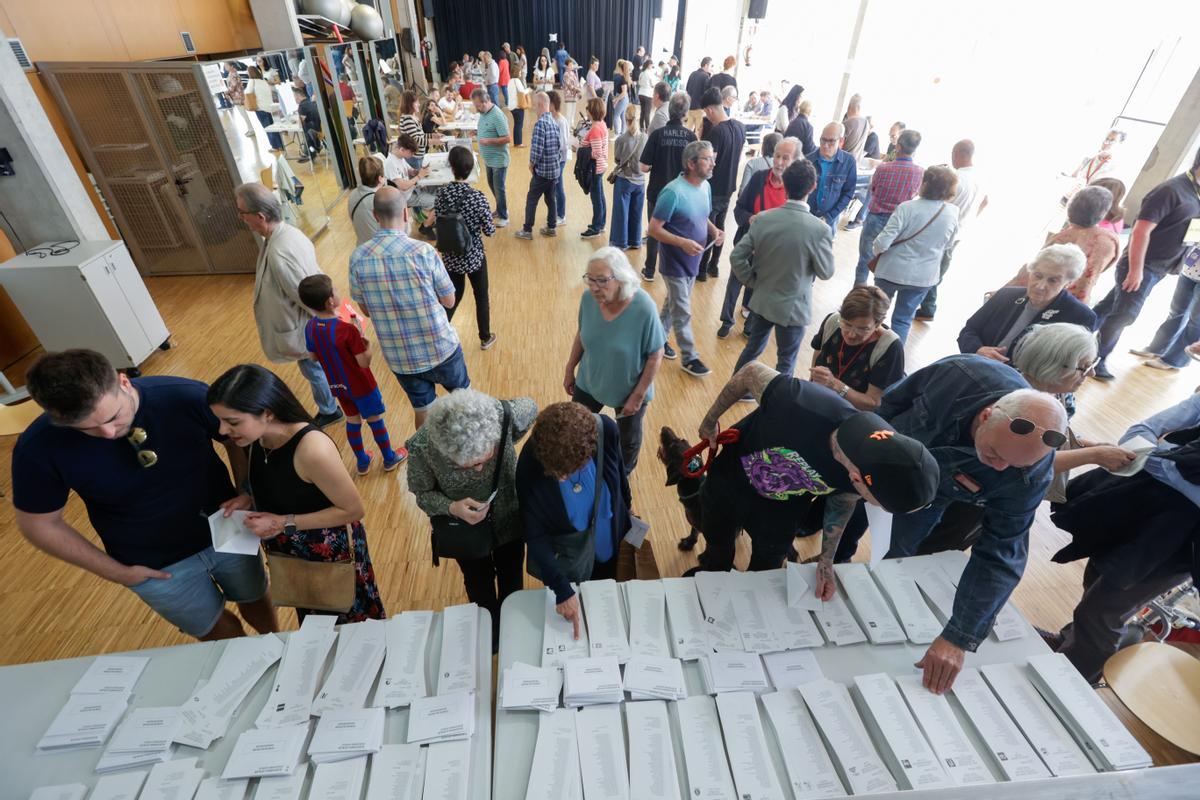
(886, 337)
(585, 168)
(453, 235)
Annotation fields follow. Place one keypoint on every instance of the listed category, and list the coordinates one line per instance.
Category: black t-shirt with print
(851, 364)
(1173, 204)
(663, 153)
(728, 138)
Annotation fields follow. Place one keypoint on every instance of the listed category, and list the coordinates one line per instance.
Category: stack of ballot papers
(789, 669)
(84, 722)
(650, 678)
(62, 791)
(142, 739)
(266, 752)
(397, 772)
(646, 604)
(558, 636)
(703, 750)
(172, 780)
(346, 733)
(530, 688)
(555, 773)
(904, 749)
(689, 639)
(850, 747)
(809, 768)
(652, 771)
(733, 672)
(607, 634)
(443, 718)
(1000, 735)
(869, 605)
(111, 675)
(208, 713)
(360, 650)
(1091, 722)
(745, 742)
(304, 655)
(338, 780)
(403, 677)
(460, 649)
(125, 786)
(946, 736)
(1036, 720)
(588, 681)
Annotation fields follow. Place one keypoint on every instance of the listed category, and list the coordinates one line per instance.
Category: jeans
(1182, 325)
(677, 314)
(626, 230)
(651, 242)
(194, 597)
(788, 339)
(599, 209)
(491, 579)
(479, 287)
(518, 128)
(866, 250)
(712, 257)
(315, 375)
(421, 387)
(495, 178)
(862, 193)
(929, 304)
(265, 119)
(629, 428)
(733, 288)
(560, 192)
(619, 107)
(1120, 308)
(493, 91)
(540, 187)
(905, 300)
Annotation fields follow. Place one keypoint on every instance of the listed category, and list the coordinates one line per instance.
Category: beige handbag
(251, 99)
(320, 585)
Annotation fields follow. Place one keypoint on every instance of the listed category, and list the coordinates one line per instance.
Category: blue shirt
(545, 147)
(579, 508)
(835, 184)
(1178, 417)
(683, 209)
(560, 61)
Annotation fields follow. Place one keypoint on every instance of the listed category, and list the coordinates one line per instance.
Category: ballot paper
(230, 534)
(732, 672)
(448, 771)
(607, 635)
(935, 584)
(588, 681)
(838, 623)
(265, 752)
(1000, 735)
(880, 524)
(84, 721)
(789, 669)
(346, 733)
(650, 678)
(443, 718)
(145, 730)
(600, 739)
(689, 638)
(361, 648)
(1036, 720)
(554, 774)
(64, 791)
(126, 786)
(172, 780)
(947, 738)
(858, 763)
(117, 762)
(209, 711)
(304, 656)
(1008, 624)
(397, 772)
(558, 636)
(284, 787)
(802, 586)
(460, 649)
(652, 771)
(746, 744)
(220, 789)
(338, 780)
(794, 627)
(869, 605)
(527, 687)
(111, 675)
(719, 619)
(809, 768)
(1109, 743)
(646, 602)
(911, 758)
(403, 677)
(757, 629)
(1142, 448)
(920, 624)
(703, 751)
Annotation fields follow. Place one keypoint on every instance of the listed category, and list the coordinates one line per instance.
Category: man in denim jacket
(994, 440)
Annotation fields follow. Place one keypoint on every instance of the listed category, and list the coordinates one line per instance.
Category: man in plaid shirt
(893, 183)
(544, 150)
(402, 285)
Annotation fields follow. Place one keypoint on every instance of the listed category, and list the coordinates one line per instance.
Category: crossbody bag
(874, 262)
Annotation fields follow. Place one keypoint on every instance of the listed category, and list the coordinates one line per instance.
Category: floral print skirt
(330, 544)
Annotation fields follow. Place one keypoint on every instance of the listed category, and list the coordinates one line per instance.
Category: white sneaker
(560, 221)
(501, 223)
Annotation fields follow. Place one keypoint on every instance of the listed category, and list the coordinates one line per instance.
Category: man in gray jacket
(784, 250)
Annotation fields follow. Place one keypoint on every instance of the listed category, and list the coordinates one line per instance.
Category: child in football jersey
(341, 350)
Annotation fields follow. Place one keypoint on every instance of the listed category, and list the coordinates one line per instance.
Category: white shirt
(646, 81)
(967, 197)
(493, 73)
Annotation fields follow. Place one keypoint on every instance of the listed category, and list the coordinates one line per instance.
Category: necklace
(841, 370)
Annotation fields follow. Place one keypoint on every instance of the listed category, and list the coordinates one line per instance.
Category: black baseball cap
(900, 472)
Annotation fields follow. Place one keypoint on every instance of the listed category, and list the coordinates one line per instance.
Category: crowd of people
(960, 452)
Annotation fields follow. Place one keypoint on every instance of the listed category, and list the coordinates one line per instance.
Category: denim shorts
(193, 598)
(370, 405)
(421, 387)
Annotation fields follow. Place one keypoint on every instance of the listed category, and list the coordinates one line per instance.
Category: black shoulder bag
(456, 538)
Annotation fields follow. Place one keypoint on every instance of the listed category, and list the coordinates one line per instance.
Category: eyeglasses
(137, 437)
(859, 330)
(599, 283)
(828, 141)
(1089, 368)
(1023, 427)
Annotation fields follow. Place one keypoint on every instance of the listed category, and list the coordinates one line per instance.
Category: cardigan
(987, 326)
(543, 514)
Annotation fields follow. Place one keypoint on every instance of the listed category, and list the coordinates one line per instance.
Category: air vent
(188, 44)
(22, 57)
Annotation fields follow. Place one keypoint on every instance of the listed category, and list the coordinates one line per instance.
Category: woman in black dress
(305, 503)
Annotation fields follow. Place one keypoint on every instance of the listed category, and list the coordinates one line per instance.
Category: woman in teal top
(618, 347)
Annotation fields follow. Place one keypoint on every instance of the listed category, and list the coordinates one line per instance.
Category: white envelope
(230, 535)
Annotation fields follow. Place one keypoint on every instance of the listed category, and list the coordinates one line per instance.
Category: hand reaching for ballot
(570, 611)
(942, 663)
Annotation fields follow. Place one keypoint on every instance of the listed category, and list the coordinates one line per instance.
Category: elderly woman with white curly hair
(462, 464)
(618, 347)
(993, 330)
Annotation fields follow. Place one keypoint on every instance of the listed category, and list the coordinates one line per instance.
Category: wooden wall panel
(210, 24)
(66, 30)
(149, 30)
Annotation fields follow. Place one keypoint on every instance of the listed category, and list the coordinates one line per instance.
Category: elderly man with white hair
(285, 257)
(545, 152)
(999, 323)
(994, 439)
(618, 347)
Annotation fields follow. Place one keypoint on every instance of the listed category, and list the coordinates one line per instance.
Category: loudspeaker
(758, 9)
(656, 9)
(408, 40)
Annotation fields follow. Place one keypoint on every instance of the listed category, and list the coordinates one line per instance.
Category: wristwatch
(289, 524)
(845, 390)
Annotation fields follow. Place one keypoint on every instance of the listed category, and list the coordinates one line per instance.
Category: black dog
(670, 452)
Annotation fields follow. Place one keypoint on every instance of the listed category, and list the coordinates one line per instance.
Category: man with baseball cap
(803, 450)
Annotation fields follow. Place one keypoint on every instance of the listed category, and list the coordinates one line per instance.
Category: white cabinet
(90, 296)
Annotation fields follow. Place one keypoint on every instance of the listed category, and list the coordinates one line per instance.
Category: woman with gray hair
(452, 464)
(617, 349)
(993, 330)
(1100, 246)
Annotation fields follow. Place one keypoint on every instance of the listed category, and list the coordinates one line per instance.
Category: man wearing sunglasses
(994, 440)
(139, 454)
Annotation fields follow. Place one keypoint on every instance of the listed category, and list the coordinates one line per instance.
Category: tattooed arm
(751, 379)
(838, 509)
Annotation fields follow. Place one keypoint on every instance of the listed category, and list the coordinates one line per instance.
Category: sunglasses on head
(1023, 427)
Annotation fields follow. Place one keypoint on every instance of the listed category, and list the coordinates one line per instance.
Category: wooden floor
(51, 610)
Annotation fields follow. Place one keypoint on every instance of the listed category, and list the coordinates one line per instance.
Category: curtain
(609, 29)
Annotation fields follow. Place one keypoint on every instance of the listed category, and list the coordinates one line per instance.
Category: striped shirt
(893, 183)
(544, 147)
(597, 137)
(412, 126)
(398, 281)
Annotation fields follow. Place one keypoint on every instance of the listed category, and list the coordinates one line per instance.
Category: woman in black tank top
(305, 503)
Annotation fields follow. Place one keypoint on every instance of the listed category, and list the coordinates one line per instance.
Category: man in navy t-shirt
(139, 454)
